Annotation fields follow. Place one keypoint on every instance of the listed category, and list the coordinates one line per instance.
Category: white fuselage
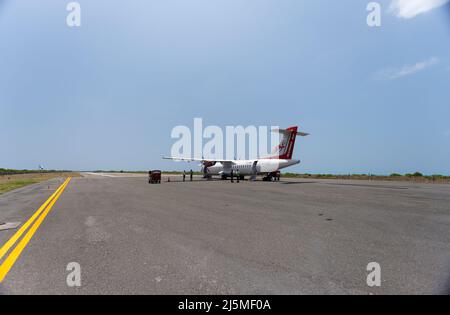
(250, 167)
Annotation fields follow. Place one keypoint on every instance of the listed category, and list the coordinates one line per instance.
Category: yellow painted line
(5, 248)
(12, 258)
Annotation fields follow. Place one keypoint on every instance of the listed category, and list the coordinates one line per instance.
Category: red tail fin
(286, 147)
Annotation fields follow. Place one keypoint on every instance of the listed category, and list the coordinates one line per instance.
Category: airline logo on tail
(285, 149)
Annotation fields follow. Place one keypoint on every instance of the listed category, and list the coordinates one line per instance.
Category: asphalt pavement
(216, 237)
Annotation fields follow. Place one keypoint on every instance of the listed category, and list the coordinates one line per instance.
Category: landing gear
(275, 176)
(267, 178)
(225, 177)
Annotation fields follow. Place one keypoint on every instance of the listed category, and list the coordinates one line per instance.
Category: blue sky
(107, 95)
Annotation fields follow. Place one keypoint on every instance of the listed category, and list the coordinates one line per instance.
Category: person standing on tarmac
(232, 176)
(184, 176)
(191, 174)
(238, 175)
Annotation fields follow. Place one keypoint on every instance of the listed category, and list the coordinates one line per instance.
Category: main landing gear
(274, 176)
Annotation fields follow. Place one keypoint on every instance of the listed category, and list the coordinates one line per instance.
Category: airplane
(269, 166)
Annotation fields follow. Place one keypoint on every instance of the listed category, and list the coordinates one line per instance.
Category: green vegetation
(14, 179)
(6, 171)
(417, 176)
(11, 185)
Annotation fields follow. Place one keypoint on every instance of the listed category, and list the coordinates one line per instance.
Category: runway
(215, 237)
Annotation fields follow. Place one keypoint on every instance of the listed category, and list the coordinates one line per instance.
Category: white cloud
(394, 73)
(408, 9)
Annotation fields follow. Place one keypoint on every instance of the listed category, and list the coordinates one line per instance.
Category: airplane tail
(286, 147)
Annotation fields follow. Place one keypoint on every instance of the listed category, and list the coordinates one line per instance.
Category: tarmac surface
(214, 237)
